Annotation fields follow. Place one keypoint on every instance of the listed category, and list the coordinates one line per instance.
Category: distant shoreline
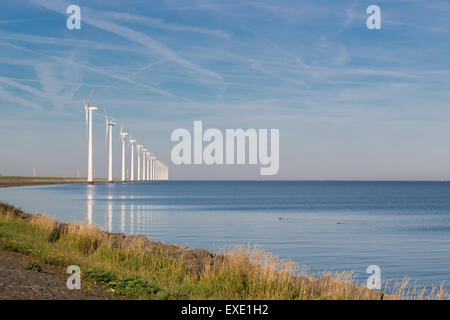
(36, 183)
(19, 181)
(6, 181)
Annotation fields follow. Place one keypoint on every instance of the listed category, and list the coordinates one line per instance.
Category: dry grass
(236, 273)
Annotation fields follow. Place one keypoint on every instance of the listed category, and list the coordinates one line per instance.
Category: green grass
(33, 240)
(33, 266)
(133, 268)
(26, 179)
(18, 180)
(130, 286)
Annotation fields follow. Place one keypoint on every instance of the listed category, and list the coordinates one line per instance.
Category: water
(403, 227)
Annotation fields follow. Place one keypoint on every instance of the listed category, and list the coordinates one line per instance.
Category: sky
(350, 103)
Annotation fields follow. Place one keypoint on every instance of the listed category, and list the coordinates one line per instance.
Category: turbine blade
(87, 119)
(90, 96)
(107, 126)
(106, 132)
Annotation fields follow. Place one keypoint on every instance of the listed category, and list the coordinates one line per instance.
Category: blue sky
(350, 103)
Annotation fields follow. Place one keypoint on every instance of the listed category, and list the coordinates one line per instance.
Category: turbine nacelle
(122, 137)
(109, 123)
(122, 134)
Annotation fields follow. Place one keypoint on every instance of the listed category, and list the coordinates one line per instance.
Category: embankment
(135, 267)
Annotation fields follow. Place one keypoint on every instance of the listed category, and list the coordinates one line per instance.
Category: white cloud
(10, 97)
(161, 24)
(95, 18)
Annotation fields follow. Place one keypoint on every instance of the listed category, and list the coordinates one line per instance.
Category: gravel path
(17, 283)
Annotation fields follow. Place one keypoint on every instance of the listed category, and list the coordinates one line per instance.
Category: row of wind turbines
(149, 168)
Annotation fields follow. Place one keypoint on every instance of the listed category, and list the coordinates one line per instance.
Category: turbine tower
(158, 170)
(152, 165)
(144, 156)
(88, 109)
(139, 151)
(166, 176)
(148, 164)
(122, 137)
(109, 125)
(132, 159)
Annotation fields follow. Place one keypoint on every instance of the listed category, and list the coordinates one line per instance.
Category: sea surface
(403, 227)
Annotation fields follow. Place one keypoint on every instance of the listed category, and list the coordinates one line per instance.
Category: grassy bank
(138, 268)
(15, 181)
(26, 178)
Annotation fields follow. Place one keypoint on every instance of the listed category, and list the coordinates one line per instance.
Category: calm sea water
(403, 227)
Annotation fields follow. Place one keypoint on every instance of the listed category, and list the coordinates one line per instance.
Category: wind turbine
(157, 169)
(150, 174)
(152, 167)
(89, 110)
(132, 141)
(166, 173)
(148, 164)
(163, 171)
(144, 156)
(139, 151)
(109, 125)
(122, 137)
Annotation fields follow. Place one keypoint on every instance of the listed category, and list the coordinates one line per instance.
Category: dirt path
(17, 283)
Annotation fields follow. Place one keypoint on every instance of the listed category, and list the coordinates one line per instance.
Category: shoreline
(167, 271)
(35, 183)
(19, 181)
(138, 268)
(7, 181)
(11, 181)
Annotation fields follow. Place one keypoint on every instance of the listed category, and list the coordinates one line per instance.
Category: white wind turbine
(152, 167)
(88, 109)
(151, 156)
(132, 141)
(122, 137)
(144, 156)
(156, 169)
(139, 151)
(148, 164)
(166, 172)
(161, 170)
(109, 125)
